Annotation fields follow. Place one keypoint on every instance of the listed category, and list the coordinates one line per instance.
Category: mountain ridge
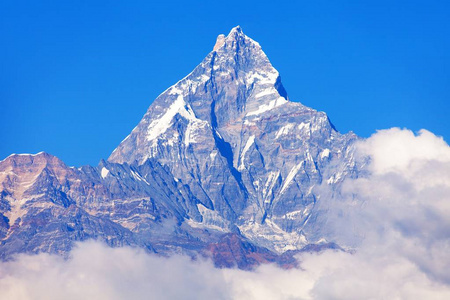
(222, 151)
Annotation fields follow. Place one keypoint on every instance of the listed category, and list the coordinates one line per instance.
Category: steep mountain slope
(251, 156)
(221, 164)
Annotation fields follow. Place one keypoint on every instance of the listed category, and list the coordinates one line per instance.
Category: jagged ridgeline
(222, 164)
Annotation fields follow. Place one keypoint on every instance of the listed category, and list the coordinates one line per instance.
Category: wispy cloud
(399, 216)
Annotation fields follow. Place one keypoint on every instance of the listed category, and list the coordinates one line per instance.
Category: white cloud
(399, 215)
(396, 149)
(95, 271)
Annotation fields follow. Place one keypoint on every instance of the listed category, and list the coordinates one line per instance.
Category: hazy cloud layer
(398, 217)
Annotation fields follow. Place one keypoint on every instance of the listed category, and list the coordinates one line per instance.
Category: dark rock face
(221, 162)
(232, 251)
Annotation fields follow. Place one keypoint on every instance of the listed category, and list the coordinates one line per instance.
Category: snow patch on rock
(291, 176)
(284, 130)
(249, 143)
(104, 172)
(266, 107)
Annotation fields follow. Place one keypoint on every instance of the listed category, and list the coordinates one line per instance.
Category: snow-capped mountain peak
(222, 156)
(229, 131)
(235, 79)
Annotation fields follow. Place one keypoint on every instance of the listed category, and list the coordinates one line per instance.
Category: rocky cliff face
(222, 153)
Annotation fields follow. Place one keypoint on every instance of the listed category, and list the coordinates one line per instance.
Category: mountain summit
(248, 154)
(222, 164)
(235, 79)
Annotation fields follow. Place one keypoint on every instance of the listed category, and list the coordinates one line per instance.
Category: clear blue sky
(77, 76)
